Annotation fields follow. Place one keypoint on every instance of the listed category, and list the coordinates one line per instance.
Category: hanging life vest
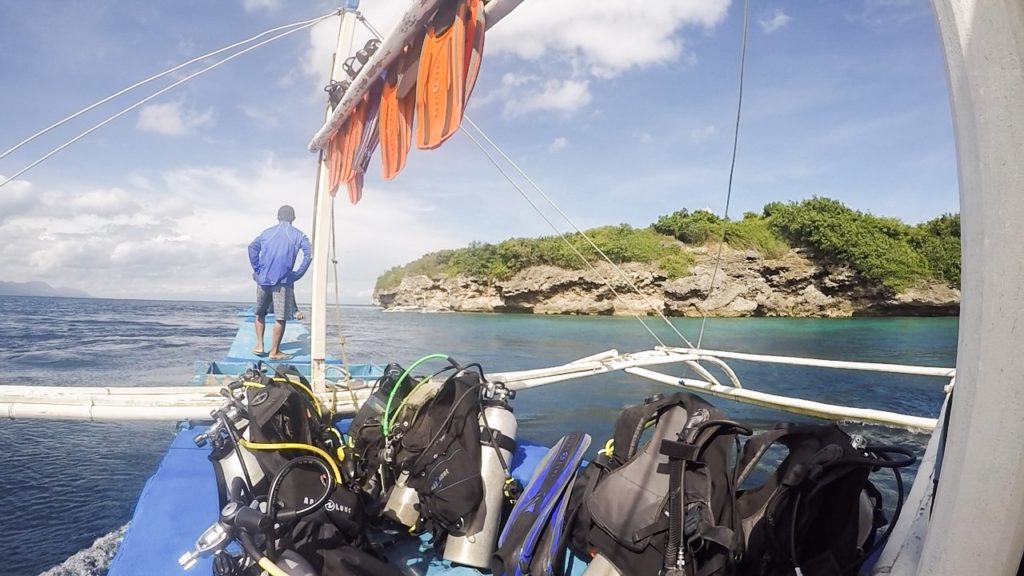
(666, 507)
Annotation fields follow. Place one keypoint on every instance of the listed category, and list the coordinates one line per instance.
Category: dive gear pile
(679, 490)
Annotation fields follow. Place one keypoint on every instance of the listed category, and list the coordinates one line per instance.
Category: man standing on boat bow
(272, 256)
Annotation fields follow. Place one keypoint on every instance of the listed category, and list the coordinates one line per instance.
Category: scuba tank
(374, 406)
(601, 566)
(402, 502)
(498, 433)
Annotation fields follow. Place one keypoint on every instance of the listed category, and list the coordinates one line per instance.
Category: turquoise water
(65, 484)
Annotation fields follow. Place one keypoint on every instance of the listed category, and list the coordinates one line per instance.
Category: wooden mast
(323, 219)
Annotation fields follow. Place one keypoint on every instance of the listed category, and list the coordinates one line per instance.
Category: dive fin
(439, 88)
(370, 138)
(350, 136)
(355, 188)
(395, 127)
(334, 161)
(532, 511)
(475, 28)
(549, 559)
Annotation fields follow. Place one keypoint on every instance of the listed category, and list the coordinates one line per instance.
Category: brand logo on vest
(439, 479)
(260, 398)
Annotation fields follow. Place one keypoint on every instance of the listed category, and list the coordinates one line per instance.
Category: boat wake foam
(91, 561)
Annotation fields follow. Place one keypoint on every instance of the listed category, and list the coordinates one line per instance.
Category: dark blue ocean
(66, 488)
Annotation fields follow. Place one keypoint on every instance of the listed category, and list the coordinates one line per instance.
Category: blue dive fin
(531, 513)
(549, 558)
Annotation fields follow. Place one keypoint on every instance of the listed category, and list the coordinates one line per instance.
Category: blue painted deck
(295, 342)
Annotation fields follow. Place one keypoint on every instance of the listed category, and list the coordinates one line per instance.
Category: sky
(620, 111)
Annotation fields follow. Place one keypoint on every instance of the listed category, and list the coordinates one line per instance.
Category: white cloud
(261, 5)
(16, 198)
(604, 38)
(192, 225)
(558, 95)
(776, 20)
(171, 119)
(701, 135)
(264, 117)
(558, 143)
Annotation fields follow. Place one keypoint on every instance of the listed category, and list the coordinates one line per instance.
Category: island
(814, 258)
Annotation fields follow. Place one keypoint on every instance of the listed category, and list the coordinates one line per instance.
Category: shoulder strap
(629, 426)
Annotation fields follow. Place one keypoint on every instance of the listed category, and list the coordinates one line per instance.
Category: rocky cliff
(745, 284)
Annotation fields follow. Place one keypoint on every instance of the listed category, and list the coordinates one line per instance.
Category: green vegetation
(938, 241)
(500, 261)
(702, 227)
(883, 250)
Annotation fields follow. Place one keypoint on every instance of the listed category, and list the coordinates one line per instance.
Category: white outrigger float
(966, 520)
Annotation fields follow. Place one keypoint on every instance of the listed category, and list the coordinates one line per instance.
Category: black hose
(792, 531)
(884, 454)
(249, 545)
(287, 515)
(908, 456)
(277, 516)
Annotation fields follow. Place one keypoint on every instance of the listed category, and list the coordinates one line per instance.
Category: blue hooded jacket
(272, 255)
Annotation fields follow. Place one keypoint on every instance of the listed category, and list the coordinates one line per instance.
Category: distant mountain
(38, 289)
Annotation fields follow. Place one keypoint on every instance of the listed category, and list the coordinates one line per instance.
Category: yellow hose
(316, 401)
(270, 567)
(294, 446)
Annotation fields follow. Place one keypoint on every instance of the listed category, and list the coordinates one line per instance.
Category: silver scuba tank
(401, 503)
(497, 422)
(601, 566)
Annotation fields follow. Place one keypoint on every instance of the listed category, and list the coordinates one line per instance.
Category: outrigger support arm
(323, 211)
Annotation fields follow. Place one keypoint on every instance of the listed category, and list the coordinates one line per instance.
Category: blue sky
(621, 111)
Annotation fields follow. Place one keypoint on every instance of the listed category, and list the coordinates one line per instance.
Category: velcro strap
(678, 450)
(720, 535)
(504, 442)
(646, 532)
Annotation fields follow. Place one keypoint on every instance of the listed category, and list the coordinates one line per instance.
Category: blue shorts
(281, 295)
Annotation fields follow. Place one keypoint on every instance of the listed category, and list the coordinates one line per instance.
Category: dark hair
(286, 213)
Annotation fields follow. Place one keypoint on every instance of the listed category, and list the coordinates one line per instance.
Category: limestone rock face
(744, 284)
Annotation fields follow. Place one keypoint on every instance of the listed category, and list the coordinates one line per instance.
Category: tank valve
(212, 539)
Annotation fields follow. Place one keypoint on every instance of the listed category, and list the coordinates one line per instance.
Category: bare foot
(280, 356)
(258, 352)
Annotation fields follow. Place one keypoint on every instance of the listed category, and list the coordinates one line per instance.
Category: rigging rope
(337, 312)
(732, 169)
(294, 28)
(555, 228)
(582, 233)
(361, 18)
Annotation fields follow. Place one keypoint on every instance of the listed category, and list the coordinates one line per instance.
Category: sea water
(68, 488)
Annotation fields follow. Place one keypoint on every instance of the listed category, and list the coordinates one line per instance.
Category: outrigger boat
(963, 511)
